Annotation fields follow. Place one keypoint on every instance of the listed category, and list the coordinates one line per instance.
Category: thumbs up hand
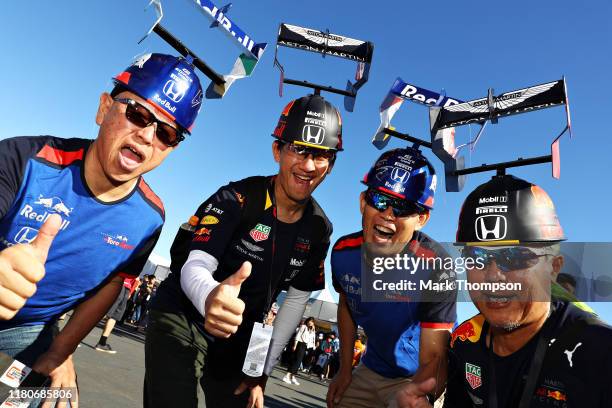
(22, 266)
(223, 308)
(414, 395)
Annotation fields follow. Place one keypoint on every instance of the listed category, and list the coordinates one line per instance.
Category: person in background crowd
(129, 309)
(115, 313)
(304, 340)
(358, 350)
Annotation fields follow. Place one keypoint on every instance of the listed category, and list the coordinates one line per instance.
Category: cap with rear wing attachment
(443, 119)
(326, 43)
(245, 63)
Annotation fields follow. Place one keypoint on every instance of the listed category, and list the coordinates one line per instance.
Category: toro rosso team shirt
(393, 327)
(576, 371)
(44, 175)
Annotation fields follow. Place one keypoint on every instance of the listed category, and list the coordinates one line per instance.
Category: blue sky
(58, 57)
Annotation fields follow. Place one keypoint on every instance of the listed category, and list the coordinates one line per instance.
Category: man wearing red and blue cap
(76, 216)
(407, 332)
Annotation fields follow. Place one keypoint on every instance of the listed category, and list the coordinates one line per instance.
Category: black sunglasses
(381, 202)
(142, 117)
(319, 155)
(506, 259)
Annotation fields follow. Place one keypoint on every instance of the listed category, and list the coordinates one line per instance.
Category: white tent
(322, 306)
(157, 265)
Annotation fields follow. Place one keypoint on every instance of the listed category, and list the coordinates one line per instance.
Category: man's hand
(414, 395)
(338, 386)
(61, 371)
(223, 308)
(22, 266)
(257, 387)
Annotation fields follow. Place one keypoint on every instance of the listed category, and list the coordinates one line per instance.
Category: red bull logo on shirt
(52, 205)
(469, 330)
(547, 393)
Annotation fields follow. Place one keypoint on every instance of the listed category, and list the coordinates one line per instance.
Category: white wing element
(475, 106)
(516, 97)
(333, 40)
(504, 101)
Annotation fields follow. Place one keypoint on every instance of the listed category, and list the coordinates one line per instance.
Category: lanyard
(271, 270)
(535, 367)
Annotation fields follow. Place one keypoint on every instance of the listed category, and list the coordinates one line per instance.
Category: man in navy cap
(76, 216)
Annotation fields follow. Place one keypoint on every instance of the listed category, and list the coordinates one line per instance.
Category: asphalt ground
(116, 380)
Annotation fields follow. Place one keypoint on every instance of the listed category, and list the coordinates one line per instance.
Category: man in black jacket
(523, 349)
(248, 241)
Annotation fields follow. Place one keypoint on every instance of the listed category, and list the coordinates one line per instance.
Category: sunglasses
(318, 155)
(142, 117)
(381, 202)
(506, 259)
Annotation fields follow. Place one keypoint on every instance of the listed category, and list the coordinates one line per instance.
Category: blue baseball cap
(405, 174)
(168, 83)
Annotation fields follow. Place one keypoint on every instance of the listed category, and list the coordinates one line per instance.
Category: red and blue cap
(405, 174)
(169, 83)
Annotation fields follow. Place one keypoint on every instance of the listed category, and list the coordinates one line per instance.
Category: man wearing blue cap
(407, 330)
(68, 211)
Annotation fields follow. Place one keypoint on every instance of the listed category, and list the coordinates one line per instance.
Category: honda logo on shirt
(313, 134)
(399, 175)
(491, 227)
(175, 90)
(26, 235)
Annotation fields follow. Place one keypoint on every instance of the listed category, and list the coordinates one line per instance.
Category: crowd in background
(316, 352)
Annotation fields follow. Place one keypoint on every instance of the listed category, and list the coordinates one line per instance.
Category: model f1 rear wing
(244, 65)
(401, 91)
(326, 43)
(490, 109)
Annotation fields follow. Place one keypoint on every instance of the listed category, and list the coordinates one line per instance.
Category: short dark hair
(566, 278)
(117, 90)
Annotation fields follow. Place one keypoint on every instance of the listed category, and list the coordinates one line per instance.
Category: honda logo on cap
(313, 134)
(174, 90)
(491, 227)
(399, 175)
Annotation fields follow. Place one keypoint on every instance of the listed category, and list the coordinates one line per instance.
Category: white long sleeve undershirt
(196, 278)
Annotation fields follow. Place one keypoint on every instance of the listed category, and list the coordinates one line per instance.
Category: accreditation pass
(258, 350)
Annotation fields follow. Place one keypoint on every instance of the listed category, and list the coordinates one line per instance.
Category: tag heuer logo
(473, 375)
(260, 232)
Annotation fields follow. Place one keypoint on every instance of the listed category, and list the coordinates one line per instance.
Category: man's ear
(105, 103)
(276, 150)
(329, 169)
(423, 219)
(557, 264)
(362, 202)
